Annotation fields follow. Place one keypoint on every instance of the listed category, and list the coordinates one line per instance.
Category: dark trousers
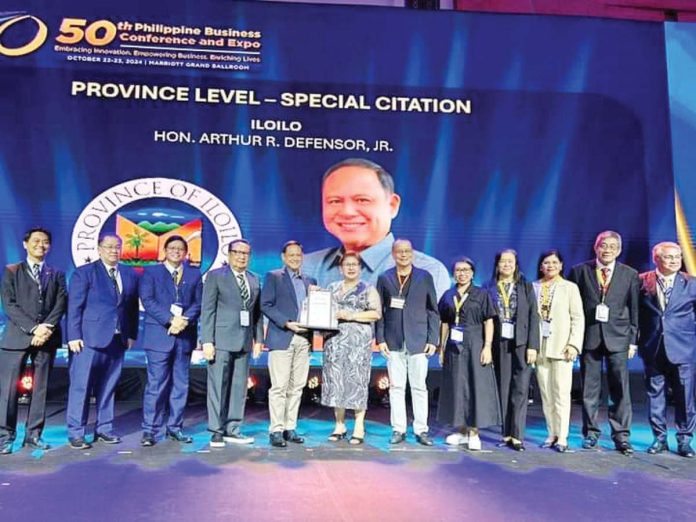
(512, 375)
(227, 391)
(12, 364)
(620, 410)
(660, 372)
(94, 371)
(167, 388)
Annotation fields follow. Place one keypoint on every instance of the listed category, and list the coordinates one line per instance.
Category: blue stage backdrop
(219, 121)
(681, 66)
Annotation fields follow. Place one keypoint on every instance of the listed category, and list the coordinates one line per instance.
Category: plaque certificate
(319, 313)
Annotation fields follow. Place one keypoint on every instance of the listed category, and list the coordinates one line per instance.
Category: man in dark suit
(102, 325)
(34, 300)
(231, 326)
(171, 295)
(282, 296)
(609, 292)
(667, 345)
(407, 335)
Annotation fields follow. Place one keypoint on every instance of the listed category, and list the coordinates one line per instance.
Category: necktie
(36, 273)
(605, 276)
(175, 277)
(112, 275)
(666, 290)
(243, 289)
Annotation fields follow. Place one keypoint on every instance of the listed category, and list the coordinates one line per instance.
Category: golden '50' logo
(29, 47)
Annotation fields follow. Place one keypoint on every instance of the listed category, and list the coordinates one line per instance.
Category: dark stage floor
(323, 481)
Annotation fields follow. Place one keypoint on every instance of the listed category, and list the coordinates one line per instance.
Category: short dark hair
(544, 255)
(236, 241)
(385, 179)
(103, 236)
(401, 240)
(463, 259)
(498, 255)
(27, 235)
(171, 239)
(289, 244)
(347, 255)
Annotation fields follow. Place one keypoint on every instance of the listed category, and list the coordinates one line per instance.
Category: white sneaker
(456, 439)
(474, 443)
(238, 438)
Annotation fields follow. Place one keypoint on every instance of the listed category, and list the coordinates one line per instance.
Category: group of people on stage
(489, 340)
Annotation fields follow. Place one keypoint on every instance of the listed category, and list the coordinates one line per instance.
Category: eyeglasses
(351, 265)
(175, 249)
(463, 270)
(241, 252)
(611, 248)
(110, 247)
(675, 257)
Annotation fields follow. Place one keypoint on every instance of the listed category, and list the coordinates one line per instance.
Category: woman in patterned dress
(348, 353)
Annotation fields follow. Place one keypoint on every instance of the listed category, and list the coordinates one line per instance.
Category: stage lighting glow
(26, 383)
(383, 383)
(313, 382)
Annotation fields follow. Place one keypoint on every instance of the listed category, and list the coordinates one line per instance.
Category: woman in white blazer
(562, 328)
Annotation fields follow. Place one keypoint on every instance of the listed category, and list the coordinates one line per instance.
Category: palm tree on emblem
(136, 240)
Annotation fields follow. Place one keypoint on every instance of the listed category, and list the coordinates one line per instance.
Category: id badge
(546, 329)
(176, 310)
(602, 313)
(456, 334)
(244, 318)
(508, 330)
(397, 302)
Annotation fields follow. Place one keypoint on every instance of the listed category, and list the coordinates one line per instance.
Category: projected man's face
(356, 208)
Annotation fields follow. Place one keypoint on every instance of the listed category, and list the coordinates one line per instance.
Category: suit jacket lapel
(677, 290)
(253, 290)
(615, 281)
(288, 281)
(394, 279)
(591, 273)
(44, 277)
(650, 289)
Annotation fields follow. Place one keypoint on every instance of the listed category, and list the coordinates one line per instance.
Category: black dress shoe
(424, 439)
(292, 436)
(107, 439)
(277, 440)
(336, 437)
(685, 450)
(397, 437)
(36, 443)
(624, 447)
(549, 443)
(560, 448)
(589, 442)
(6, 447)
(355, 440)
(658, 446)
(148, 440)
(179, 436)
(517, 446)
(79, 444)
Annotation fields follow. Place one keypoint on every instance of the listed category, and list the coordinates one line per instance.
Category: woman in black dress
(515, 343)
(468, 395)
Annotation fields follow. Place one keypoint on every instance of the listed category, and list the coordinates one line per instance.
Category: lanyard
(505, 296)
(458, 304)
(603, 283)
(548, 289)
(402, 283)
